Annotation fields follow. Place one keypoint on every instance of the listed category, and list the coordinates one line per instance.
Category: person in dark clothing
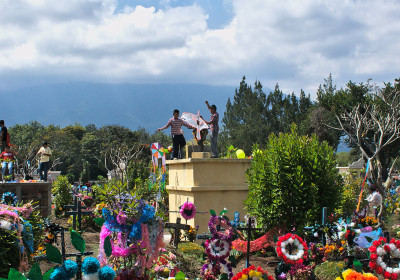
(3, 135)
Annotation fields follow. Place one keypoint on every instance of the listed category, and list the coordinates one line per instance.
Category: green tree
(291, 180)
(245, 121)
(253, 116)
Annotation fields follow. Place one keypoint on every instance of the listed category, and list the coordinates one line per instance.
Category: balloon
(240, 153)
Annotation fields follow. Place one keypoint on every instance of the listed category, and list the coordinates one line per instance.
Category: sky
(296, 44)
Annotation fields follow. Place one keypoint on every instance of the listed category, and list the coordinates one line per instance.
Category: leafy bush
(329, 270)
(351, 193)
(62, 191)
(291, 180)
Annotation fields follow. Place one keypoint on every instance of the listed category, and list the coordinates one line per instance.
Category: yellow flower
(60, 208)
(341, 249)
(346, 273)
(343, 241)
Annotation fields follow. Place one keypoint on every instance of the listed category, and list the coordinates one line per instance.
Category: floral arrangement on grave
(188, 210)
(381, 251)
(253, 273)
(191, 233)
(88, 200)
(130, 238)
(350, 274)
(9, 198)
(15, 225)
(218, 247)
(165, 265)
(292, 249)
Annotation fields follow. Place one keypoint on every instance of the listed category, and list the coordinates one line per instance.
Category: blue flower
(58, 274)
(136, 232)
(90, 265)
(106, 273)
(147, 213)
(71, 268)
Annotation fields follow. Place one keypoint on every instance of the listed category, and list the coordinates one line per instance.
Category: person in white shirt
(45, 154)
(374, 199)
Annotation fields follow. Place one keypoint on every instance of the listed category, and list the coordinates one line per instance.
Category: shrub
(62, 191)
(350, 194)
(291, 180)
(329, 270)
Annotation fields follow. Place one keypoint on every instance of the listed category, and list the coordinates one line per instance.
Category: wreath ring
(217, 249)
(378, 250)
(8, 197)
(299, 245)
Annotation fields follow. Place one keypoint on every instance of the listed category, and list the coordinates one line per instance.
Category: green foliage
(329, 270)
(77, 241)
(291, 180)
(343, 159)
(351, 193)
(61, 189)
(252, 115)
(9, 254)
(53, 254)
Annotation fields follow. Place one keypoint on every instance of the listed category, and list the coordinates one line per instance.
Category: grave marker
(177, 229)
(77, 211)
(248, 229)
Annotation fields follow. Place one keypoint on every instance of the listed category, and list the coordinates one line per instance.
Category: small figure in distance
(8, 157)
(214, 129)
(45, 154)
(3, 136)
(178, 140)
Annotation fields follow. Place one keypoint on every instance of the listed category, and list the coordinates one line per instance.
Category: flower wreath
(9, 197)
(378, 250)
(300, 245)
(188, 210)
(253, 273)
(219, 246)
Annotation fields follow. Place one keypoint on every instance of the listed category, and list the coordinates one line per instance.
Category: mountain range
(132, 106)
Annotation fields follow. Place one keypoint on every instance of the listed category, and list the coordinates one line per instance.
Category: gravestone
(213, 183)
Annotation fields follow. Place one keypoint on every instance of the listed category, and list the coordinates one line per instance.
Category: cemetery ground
(91, 237)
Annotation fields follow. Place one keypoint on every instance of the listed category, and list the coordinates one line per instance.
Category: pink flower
(188, 210)
(121, 218)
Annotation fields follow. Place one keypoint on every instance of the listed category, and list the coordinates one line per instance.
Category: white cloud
(293, 43)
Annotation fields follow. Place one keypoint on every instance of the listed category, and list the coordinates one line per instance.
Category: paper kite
(157, 151)
(192, 119)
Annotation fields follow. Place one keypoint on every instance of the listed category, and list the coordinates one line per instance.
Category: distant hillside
(133, 106)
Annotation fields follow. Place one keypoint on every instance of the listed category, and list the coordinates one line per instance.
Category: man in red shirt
(8, 158)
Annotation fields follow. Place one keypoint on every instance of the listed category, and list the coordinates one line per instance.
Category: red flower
(387, 248)
(376, 243)
(372, 249)
(373, 257)
(379, 270)
(271, 278)
(398, 243)
(387, 274)
(373, 265)
(394, 276)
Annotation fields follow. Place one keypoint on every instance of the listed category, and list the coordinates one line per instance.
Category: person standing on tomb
(8, 158)
(178, 140)
(214, 129)
(45, 154)
(3, 136)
